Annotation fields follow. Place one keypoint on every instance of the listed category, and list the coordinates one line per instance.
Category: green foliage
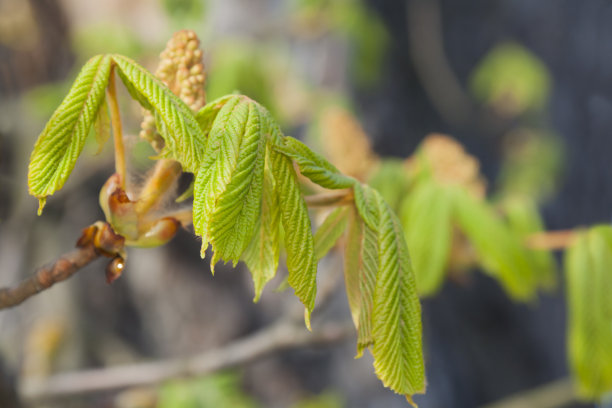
(221, 390)
(60, 143)
(175, 121)
(512, 79)
(330, 231)
(426, 215)
(245, 188)
(589, 283)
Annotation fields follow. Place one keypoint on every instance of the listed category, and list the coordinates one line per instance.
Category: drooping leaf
(206, 116)
(392, 181)
(299, 242)
(102, 126)
(360, 268)
(261, 256)
(238, 207)
(218, 164)
(524, 219)
(426, 218)
(501, 253)
(313, 165)
(176, 123)
(589, 284)
(396, 313)
(330, 231)
(61, 142)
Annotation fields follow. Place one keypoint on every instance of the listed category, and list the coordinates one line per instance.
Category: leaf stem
(552, 240)
(111, 93)
(330, 199)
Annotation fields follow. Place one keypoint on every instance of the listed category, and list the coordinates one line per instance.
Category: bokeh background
(525, 86)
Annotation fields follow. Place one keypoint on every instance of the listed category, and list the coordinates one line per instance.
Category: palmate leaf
(396, 312)
(360, 268)
(589, 284)
(184, 139)
(61, 142)
(426, 218)
(330, 231)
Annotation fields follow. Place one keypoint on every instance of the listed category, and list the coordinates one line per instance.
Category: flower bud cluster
(182, 70)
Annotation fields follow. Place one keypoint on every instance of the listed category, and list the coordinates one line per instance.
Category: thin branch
(332, 198)
(280, 336)
(552, 240)
(45, 277)
(111, 93)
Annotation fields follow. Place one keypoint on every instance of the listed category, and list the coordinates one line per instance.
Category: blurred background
(524, 86)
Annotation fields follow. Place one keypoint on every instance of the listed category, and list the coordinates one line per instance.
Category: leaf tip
(410, 401)
(41, 204)
(307, 319)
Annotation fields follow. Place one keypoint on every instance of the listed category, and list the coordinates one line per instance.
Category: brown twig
(281, 336)
(97, 240)
(332, 198)
(47, 276)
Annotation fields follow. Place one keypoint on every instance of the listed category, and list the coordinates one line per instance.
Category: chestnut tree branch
(46, 276)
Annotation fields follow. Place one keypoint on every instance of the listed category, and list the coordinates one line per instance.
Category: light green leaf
(524, 219)
(589, 284)
(61, 142)
(360, 268)
(102, 126)
(299, 242)
(391, 180)
(313, 165)
(396, 313)
(185, 141)
(238, 207)
(218, 164)
(426, 218)
(501, 253)
(330, 231)
(206, 116)
(261, 256)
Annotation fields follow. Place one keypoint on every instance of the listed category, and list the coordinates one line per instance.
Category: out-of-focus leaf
(589, 284)
(392, 181)
(330, 231)
(426, 218)
(501, 252)
(524, 219)
(511, 79)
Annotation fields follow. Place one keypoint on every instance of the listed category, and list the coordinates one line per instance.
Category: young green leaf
(365, 203)
(589, 284)
(206, 116)
(524, 219)
(360, 267)
(261, 256)
(396, 313)
(313, 165)
(61, 142)
(330, 231)
(502, 253)
(185, 141)
(299, 242)
(426, 218)
(218, 164)
(238, 207)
